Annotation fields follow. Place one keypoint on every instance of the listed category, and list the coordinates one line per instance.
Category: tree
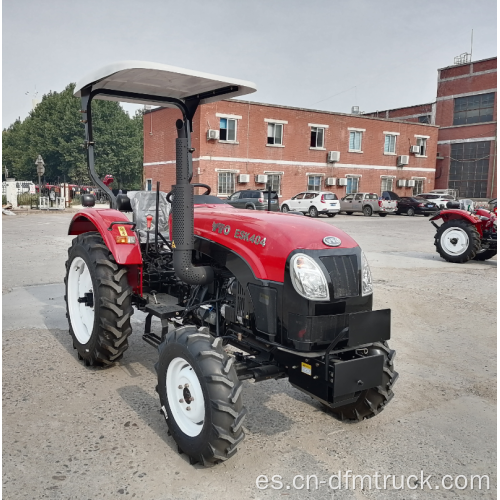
(53, 129)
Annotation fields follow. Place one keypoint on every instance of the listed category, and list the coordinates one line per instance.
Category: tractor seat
(143, 203)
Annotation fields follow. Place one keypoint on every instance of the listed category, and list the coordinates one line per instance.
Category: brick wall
(295, 160)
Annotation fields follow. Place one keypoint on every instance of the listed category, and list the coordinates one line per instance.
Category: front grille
(343, 271)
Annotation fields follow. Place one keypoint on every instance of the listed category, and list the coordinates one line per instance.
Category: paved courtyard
(71, 432)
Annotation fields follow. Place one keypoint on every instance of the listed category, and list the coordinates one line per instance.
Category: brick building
(290, 147)
(466, 112)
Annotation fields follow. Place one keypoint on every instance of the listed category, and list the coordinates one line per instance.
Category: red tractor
(465, 235)
(291, 297)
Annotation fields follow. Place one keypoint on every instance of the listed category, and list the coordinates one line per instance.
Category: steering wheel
(207, 192)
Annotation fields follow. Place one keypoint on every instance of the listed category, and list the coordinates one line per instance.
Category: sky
(318, 54)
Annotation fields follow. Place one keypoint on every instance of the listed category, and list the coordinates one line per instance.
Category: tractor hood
(264, 239)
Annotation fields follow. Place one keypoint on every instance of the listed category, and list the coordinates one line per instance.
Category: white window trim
(275, 145)
(391, 177)
(146, 183)
(314, 173)
(272, 120)
(419, 178)
(273, 172)
(388, 153)
(225, 141)
(232, 171)
(422, 136)
(223, 115)
(356, 129)
(318, 149)
(362, 130)
(426, 137)
(318, 125)
(229, 142)
(222, 171)
(353, 175)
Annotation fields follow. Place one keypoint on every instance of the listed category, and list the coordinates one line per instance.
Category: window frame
(314, 129)
(311, 187)
(352, 178)
(149, 182)
(386, 178)
(387, 152)
(280, 177)
(459, 108)
(274, 125)
(423, 146)
(228, 119)
(418, 181)
(360, 132)
(230, 174)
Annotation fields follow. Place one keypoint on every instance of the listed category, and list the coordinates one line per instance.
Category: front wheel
(331, 215)
(382, 215)
(98, 301)
(285, 209)
(200, 395)
(485, 254)
(410, 212)
(372, 401)
(313, 212)
(457, 241)
(367, 211)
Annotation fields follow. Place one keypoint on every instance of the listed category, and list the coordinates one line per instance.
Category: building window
(419, 186)
(474, 109)
(314, 182)
(226, 185)
(387, 183)
(352, 185)
(275, 133)
(469, 168)
(149, 184)
(227, 130)
(390, 144)
(424, 119)
(355, 140)
(317, 137)
(422, 143)
(275, 181)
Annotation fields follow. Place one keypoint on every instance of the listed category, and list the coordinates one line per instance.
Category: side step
(164, 307)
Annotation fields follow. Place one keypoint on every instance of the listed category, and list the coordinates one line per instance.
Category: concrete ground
(71, 432)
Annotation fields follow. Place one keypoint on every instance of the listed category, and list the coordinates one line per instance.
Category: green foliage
(54, 131)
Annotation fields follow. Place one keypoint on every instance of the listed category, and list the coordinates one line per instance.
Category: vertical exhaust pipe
(183, 214)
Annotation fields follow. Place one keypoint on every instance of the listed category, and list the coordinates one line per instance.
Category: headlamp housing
(307, 278)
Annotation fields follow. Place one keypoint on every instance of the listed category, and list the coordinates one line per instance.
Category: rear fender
(128, 254)
(451, 214)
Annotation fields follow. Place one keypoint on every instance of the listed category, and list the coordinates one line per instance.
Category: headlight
(366, 276)
(308, 279)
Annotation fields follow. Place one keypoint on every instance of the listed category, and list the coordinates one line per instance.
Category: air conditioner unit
(242, 178)
(333, 156)
(331, 181)
(403, 160)
(402, 183)
(261, 179)
(415, 149)
(410, 183)
(342, 182)
(355, 110)
(212, 134)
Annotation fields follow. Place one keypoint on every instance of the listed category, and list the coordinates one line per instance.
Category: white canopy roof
(160, 80)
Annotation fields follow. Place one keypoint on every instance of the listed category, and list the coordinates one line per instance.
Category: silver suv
(252, 199)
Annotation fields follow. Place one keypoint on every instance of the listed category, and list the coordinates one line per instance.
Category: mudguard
(95, 219)
(450, 214)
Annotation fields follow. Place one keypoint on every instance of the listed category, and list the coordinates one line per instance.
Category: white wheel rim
(454, 241)
(81, 315)
(185, 397)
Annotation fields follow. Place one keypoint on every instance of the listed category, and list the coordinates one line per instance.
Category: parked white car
(313, 203)
(439, 199)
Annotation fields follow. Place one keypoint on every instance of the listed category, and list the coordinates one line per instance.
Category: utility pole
(40, 170)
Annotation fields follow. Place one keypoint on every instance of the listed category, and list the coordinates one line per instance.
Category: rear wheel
(349, 213)
(285, 209)
(485, 254)
(457, 241)
(250, 207)
(331, 215)
(367, 211)
(382, 215)
(410, 212)
(313, 212)
(98, 301)
(200, 395)
(372, 401)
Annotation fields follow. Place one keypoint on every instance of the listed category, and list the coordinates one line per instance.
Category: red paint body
(283, 233)
(481, 225)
